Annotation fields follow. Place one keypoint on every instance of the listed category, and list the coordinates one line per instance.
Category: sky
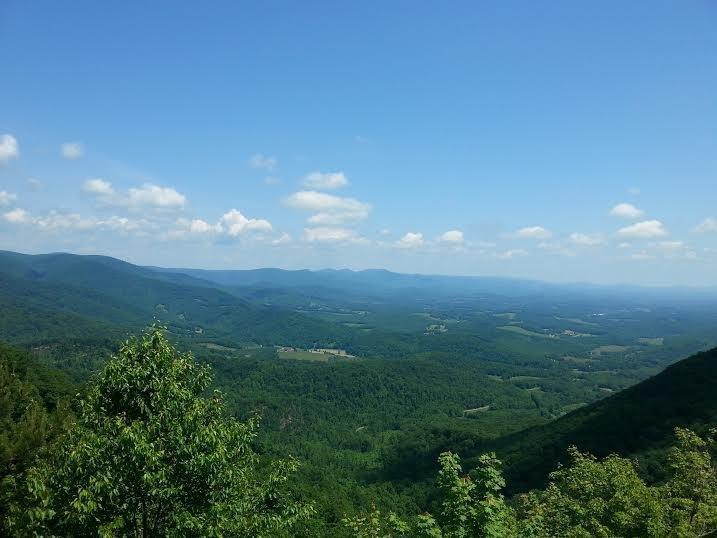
(562, 140)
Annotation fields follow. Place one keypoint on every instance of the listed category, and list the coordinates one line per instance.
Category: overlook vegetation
(359, 435)
(151, 452)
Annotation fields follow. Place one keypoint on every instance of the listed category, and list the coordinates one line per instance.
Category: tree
(691, 493)
(471, 507)
(586, 498)
(150, 455)
(589, 498)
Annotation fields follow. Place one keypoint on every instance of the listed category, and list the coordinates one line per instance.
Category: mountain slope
(45, 295)
(636, 421)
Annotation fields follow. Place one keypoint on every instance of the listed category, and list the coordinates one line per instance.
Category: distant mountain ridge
(385, 281)
(64, 294)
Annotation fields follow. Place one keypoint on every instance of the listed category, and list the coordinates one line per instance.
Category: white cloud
(154, 195)
(586, 240)
(335, 218)
(9, 148)
(199, 226)
(624, 245)
(98, 187)
(63, 221)
(706, 226)
(72, 150)
(236, 224)
(452, 236)
(7, 198)
(55, 220)
(642, 256)
(644, 229)
(326, 234)
(325, 181)
(410, 240)
(626, 211)
(282, 239)
(263, 162)
(669, 245)
(148, 195)
(16, 216)
(510, 254)
(124, 224)
(331, 210)
(321, 201)
(533, 232)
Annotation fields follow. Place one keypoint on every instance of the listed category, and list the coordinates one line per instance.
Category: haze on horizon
(557, 142)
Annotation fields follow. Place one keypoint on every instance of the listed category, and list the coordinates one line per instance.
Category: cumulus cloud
(59, 221)
(533, 232)
(669, 245)
(510, 254)
(452, 236)
(62, 221)
(325, 234)
(321, 201)
(325, 181)
(282, 239)
(264, 162)
(72, 150)
(123, 224)
(706, 226)
(154, 195)
(626, 211)
(7, 198)
(411, 240)
(334, 218)
(644, 229)
(586, 240)
(16, 216)
(98, 187)
(199, 226)
(234, 223)
(642, 256)
(9, 148)
(148, 195)
(330, 210)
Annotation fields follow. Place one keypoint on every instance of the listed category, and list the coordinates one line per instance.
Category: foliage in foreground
(586, 498)
(150, 455)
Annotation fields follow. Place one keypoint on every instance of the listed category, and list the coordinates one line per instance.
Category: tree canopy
(586, 498)
(152, 454)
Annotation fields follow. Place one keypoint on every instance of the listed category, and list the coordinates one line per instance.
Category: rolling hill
(65, 295)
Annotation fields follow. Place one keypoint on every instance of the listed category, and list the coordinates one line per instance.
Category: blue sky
(555, 140)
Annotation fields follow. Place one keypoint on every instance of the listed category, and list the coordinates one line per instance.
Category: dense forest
(362, 390)
(151, 450)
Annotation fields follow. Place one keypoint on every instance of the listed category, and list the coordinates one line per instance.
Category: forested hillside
(366, 377)
(638, 421)
(150, 453)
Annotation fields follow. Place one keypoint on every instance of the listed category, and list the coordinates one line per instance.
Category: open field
(608, 349)
(525, 332)
(304, 356)
(651, 341)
